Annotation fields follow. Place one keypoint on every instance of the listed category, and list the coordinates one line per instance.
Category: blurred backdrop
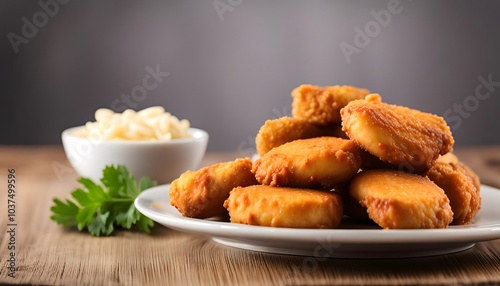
(228, 65)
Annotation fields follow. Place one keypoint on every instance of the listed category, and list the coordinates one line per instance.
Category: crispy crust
(201, 194)
(470, 173)
(279, 131)
(312, 163)
(398, 200)
(407, 138)
(284, 207)
(321, 105)
(464, 196)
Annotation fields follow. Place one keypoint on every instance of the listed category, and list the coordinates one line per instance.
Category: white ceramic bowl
(160, 161)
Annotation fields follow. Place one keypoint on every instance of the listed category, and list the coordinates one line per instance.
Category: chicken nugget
(320, 162)
(284, 207)
(464, 196)
(201, 194)
(471, 174)
(279, 131)
(407, 138)
(321, 105)
(399, 200)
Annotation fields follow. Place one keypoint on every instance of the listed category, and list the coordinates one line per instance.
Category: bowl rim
(198, 135)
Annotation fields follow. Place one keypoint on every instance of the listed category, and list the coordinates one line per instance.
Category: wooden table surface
(50, 255)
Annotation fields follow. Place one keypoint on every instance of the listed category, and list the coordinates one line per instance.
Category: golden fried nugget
(279, 131)
(201, 194)
(321, 105)
(471, 174)
(311, 163)
(399, 200)
(407, 138)
(464, 197)
(284, 207)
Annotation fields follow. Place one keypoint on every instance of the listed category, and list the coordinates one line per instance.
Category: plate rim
(217, 229)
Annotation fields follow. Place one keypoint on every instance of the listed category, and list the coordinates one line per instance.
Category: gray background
(229, 73)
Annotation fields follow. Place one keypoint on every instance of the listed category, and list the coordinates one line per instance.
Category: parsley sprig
(101, 208)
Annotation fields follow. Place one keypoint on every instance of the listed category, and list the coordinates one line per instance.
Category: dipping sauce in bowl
(150, 143)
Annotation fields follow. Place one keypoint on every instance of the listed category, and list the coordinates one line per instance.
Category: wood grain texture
(48, 254)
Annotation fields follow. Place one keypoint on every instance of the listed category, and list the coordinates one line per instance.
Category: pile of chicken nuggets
(344, 153)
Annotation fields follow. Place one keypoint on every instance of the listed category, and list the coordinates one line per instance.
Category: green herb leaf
(126, 218)
(64, 213)
(101, 225)
(145, 224)
(120, 182)
(102, 208)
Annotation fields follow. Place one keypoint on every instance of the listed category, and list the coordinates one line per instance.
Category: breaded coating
(284, 207)
(279, 131)
(321, 105)
(464, 197)
(201, 194)
(471, 174)
(399, 200)
(311, 163)
(407, 138)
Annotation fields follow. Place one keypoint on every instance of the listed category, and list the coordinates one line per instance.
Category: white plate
(362, 242)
